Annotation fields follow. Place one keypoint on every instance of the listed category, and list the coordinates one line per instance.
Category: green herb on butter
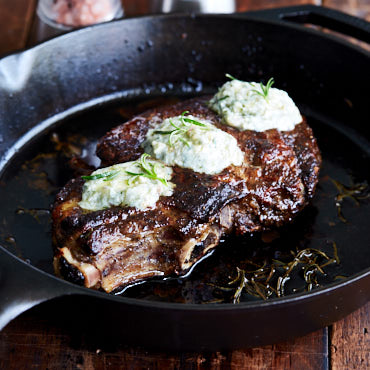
(232, 77)
(136, 184)
(149, 170)
(192, 142)
(106, 176)
(183, 128)
(264, 89)
(254, 106)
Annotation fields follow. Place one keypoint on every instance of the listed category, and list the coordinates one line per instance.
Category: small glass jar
(70, 14)
(55, 17)
(196, 6)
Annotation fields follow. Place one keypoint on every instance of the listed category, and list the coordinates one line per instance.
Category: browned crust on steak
(120, 246)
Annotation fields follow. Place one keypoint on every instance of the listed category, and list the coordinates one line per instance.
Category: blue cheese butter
(136, 184)
(246, 106)
(191, 142)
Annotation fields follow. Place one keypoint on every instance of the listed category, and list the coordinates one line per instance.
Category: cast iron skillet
(187, 54)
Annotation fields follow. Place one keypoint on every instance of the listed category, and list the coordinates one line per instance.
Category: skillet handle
(320, 16)
(22, 287)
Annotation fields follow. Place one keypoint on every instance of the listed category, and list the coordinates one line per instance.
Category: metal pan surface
(75, 84)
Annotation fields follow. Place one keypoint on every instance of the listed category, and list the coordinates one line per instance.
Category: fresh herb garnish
(183, 128)
(232, 77)
(265, 89)
(149, 170)
(223, 98)
(105, 175)
(217, 100)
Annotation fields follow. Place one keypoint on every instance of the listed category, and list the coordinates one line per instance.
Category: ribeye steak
(116, 247)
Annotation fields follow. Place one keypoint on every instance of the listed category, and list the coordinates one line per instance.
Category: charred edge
(199, 248)
(70, 273)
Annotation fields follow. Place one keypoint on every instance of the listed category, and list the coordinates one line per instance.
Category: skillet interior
(35, 175)
(195, 52)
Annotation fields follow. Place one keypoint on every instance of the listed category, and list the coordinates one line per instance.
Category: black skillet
(189, 55)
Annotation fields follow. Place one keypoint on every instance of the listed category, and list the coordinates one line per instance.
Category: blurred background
(20, 25)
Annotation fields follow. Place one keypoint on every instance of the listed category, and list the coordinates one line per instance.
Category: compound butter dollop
(127, 184)
(243, 105)
(191, 142)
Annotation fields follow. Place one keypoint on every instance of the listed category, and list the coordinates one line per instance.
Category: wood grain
(350, 341)
(15, 22)
(39, 339)
(359, 8)
(245, 5)
(309, 352)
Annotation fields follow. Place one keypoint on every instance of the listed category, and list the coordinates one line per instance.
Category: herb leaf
(149, 170)
(105, 175)
(163, 132)
(231, 77)
(356, 192)
(223, 98)
(270, 278)
(265, 89)
(181, 129)
(193, 122)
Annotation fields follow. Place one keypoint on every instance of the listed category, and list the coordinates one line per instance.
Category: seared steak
(113, 248)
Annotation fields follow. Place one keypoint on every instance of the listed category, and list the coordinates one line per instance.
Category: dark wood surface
(35, 340)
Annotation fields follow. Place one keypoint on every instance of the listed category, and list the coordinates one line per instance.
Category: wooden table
(35, 340)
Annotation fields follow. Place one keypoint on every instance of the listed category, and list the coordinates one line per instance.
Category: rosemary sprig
(356, 192)
(308, 259)
(269, 279)
(192, 121)
(232, 77)
(265, 89)
(241, 281)
(216, 100)
(149, 170)
(181, 129)
(223, 98)
(105, 175)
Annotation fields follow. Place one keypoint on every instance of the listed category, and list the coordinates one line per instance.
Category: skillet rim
(242, 16)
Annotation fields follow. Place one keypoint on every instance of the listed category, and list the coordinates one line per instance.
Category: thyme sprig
(149, 170)
(356, 192)
(183, 128)
(105, 175)
(265, 88)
